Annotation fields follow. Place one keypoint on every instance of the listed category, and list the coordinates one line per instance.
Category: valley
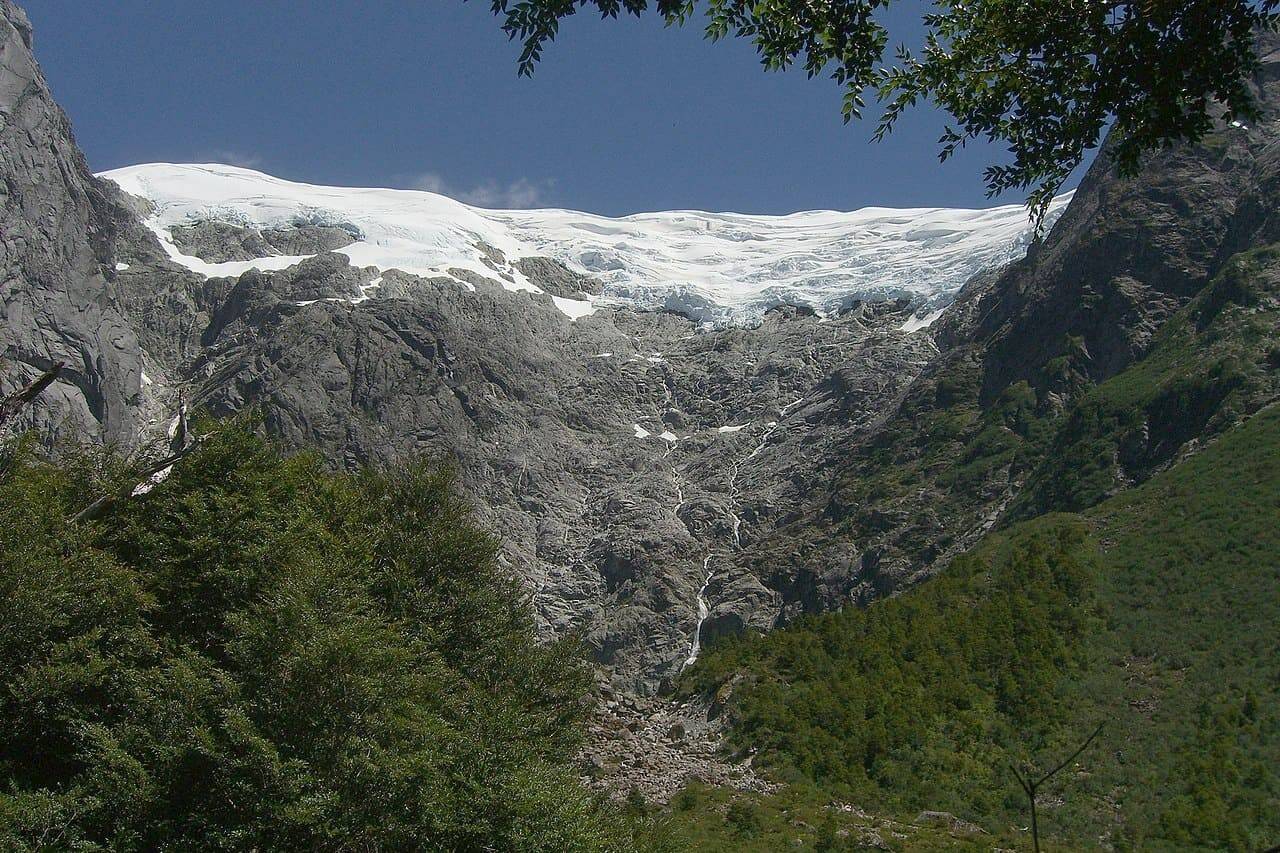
(839, 513)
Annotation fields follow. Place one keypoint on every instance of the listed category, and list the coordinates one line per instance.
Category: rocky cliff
(627, 457)
(58, 298)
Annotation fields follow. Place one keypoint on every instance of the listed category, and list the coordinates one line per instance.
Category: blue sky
(620, 117)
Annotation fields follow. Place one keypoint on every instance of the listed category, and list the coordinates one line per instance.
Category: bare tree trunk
(1031, 785)
(1035, 825)
(14, 403)
(180, 442)
(100, 506)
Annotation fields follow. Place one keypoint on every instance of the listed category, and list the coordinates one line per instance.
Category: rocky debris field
(656, 747)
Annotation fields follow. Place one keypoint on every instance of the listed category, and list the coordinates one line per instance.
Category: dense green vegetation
(1150, 608)
(262, 655)
(1212, 363)
(1155, 611)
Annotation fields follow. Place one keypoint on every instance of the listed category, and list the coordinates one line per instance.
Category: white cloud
(230, 157)
(430, 182)
(521, 192)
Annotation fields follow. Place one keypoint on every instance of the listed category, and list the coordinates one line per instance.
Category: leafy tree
(1042, 77)
(260, 654)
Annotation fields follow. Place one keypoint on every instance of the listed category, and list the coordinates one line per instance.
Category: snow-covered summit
(717, 267)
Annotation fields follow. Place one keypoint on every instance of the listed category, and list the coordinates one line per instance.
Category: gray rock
(218, 242)
(610, 531)
(949, 822)
(58, 298)
(310, 239)
(557, 279)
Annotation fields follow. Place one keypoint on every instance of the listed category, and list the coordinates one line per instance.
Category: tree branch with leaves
(1042, 78)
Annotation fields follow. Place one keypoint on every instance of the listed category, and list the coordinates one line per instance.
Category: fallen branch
(180, 444)
(100, 506)
(13, 404)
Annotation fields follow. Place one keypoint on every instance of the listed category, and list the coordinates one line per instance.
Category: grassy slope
(1156, 610)
(1174, 646)
(1189, 667)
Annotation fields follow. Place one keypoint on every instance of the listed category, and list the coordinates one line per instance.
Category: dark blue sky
(620, 117)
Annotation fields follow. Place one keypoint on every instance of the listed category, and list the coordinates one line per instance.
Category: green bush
(259, 654)
(744, 818)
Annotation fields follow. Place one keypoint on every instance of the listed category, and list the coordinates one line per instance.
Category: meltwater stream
(704, 606)
(704, 610)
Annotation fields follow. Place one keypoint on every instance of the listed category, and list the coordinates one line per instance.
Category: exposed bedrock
(614, 454)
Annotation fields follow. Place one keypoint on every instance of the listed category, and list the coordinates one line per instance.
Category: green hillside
(1153, 612)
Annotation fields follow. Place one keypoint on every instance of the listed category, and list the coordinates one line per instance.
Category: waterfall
(704, 610)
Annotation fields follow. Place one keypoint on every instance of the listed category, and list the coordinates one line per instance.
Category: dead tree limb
(1031, 785)
(11, 405)
(99, 507)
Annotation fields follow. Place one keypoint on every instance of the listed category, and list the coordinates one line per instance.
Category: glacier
(718, 268)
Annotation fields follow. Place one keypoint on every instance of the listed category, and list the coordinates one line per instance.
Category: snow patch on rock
(919, 321)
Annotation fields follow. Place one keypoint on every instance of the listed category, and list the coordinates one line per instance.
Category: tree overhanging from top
(1043, 78)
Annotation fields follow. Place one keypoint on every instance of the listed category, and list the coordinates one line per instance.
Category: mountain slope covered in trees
(1150, 610)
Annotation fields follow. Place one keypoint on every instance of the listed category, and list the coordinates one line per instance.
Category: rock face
(58, 298)
(218, 242)
(623, 457)
(557, 279)
(652, 478)
(1130, 252)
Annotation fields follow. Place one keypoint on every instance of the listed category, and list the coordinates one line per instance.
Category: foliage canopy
(1042, 77)
(259, 654)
